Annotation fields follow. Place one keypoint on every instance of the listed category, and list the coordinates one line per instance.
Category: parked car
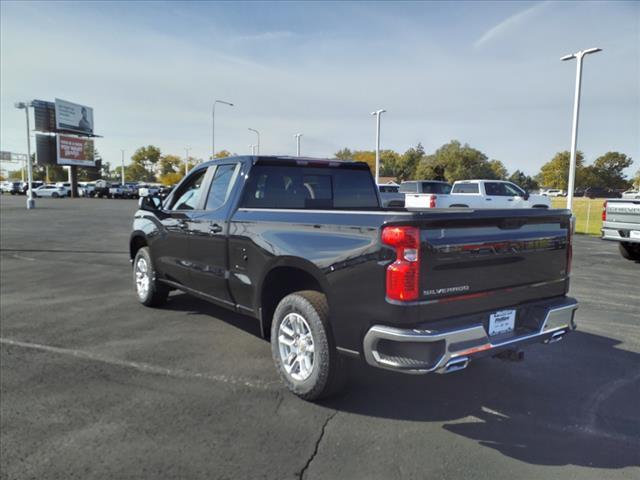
(66, 186)
(554, 192)
(632, 193)
(479, 194)
(146, 189)
(128, 190)
(53, 191)
(86, 189)
(391, 196)
(597, 192)
(621, 223)
(14, 188)
(24, 186)
(307, 250)
(165, 190)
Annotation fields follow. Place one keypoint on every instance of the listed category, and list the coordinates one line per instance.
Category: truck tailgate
(502, 256)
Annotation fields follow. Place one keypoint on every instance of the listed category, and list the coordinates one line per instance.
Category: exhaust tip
(556, 337)
(456, 364)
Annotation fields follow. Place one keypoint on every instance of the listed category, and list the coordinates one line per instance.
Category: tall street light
(122, 171)
(213, 125)
(31, 204)
(258, 134)
(253, 149)
(186, 160)
(298, 135)
(576, 112)
(377, 114)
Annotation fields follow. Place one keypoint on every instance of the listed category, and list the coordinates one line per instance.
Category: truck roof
(291, 160)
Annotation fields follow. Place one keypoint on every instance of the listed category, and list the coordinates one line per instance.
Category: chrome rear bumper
(419, 351)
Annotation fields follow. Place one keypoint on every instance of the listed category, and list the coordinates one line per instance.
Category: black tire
(328, 372)
(54, 195)
(629, 251)
(156, 294)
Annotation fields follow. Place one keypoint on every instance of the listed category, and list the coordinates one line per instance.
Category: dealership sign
(74, 117)
(75, 151)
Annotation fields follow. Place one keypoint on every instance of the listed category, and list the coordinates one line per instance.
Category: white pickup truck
(621, 223)
(478, 194)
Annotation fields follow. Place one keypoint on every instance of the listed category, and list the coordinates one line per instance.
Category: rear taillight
(604, 211)
(403, 274)
(432, 201)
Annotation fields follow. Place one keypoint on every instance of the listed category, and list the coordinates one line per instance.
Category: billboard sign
(75, 151)
(74, 117)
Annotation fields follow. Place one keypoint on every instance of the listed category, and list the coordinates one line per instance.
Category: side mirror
(526, 195)
(150, 203)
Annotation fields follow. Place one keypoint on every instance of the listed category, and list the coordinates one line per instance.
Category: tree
(524, 181)
(344, 154)
(223, 154)
(169, 164)
(390, 163)
(636, 179)
(610, 167)
(143, 163)
(555, 173)
(408, 164)
(454, 161)
(366, 156)
(499, 169)
(171, 178)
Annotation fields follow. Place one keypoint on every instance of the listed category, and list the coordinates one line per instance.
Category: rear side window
(274, 186)
(409, 187)
(465, 188)
(435, 187)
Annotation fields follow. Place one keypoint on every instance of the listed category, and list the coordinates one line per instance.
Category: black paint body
(488, 259)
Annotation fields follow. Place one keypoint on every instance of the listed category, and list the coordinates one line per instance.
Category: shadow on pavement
(572, 403)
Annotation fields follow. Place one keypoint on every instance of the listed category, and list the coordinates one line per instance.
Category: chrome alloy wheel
(142, 278)
(295, 342)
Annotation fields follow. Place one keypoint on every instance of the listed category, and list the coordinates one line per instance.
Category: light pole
(186, 160)
(213, 125)
(576, 112)
(253, 149)
(298, 135)
(122, 171)
(30, 201)
(377, 114)
(258, 134)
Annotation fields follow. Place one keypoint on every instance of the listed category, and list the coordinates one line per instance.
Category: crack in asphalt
(317, 446)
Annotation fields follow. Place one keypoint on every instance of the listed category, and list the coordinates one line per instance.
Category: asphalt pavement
(94, 385)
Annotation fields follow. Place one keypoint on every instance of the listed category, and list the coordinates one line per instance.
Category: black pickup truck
(304, 246)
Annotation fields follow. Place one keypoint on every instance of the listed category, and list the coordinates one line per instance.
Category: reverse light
(403, 274)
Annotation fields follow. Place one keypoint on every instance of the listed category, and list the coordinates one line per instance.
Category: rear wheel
(150, 292)
(55, 195)
(302, 348)
(630, 251)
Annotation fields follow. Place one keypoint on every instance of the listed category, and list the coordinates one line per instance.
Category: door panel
(208, 238)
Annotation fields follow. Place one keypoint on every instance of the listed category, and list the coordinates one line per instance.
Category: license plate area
(502, 322)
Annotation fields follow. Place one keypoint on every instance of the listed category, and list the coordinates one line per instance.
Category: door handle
(182, 225)
(214, 228)
(488, 199)
(510, 200)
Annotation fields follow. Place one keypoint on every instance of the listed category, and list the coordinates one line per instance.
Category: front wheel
(301, 346)
(630, 251)
(150, 292)
(55, 195)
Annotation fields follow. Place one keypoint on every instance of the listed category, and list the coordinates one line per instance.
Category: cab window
(188, 195)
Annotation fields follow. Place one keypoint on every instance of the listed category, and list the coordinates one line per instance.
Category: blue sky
(486, 73)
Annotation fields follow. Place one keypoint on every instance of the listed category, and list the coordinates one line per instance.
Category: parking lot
(96, 386)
